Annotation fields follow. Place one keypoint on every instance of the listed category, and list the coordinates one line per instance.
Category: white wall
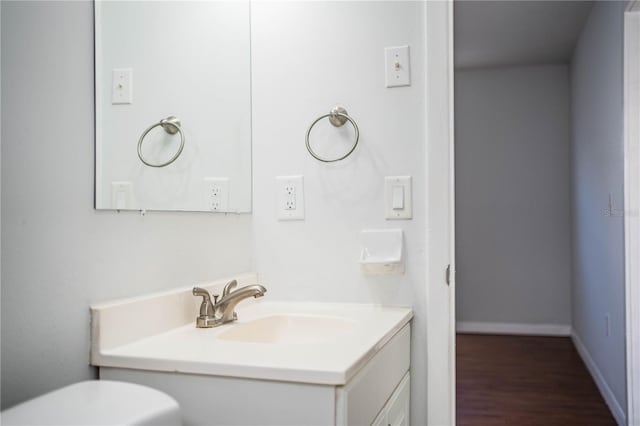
(59, 255)
(513, 243)
(63, 255)
(331, 53)
(597, 156)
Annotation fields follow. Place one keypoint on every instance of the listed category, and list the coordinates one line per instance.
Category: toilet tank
(96, 402)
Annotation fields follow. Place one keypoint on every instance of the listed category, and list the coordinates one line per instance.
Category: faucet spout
(226, 305)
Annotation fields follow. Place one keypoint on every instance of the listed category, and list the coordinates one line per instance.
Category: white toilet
(97, 402)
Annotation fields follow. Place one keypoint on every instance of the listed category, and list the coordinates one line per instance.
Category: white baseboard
(604, 388)
(513, 328)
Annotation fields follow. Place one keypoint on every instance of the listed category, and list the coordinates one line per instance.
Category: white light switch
(397, 197)
(122, 86)
(397, 67)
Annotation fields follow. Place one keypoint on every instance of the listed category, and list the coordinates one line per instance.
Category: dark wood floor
(518, 380)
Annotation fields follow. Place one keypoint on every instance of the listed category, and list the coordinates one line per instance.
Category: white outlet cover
(284, 197)
(215, 194)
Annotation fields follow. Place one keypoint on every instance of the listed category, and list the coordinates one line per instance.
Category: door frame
(440, 248)
(632, 205)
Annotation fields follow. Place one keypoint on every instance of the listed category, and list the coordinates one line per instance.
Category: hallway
(525, 380)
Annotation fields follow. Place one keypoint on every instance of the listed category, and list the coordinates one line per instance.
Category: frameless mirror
(173, 105)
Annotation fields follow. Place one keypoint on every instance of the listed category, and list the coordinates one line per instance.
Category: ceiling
(508, 33)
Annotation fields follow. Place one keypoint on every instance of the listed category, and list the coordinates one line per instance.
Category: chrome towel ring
(170, 125)
(337, 117)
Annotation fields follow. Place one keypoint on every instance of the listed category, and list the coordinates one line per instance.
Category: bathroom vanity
(279, 363)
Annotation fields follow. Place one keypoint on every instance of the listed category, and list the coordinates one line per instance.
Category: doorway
(539, 220)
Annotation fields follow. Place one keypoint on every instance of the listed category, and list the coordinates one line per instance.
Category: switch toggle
(397, 197)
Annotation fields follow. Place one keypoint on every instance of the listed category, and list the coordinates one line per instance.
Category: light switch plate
(397, 67)
(122, 86)
(290, 197)
(121, 195)
(401, 186)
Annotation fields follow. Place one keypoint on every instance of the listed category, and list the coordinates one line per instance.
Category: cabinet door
(398, 405)
(396, 411)
(381, 420)
(361, 399)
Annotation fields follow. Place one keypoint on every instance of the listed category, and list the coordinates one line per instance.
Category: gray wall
(513, 227)
(58, 254)
(597, 157)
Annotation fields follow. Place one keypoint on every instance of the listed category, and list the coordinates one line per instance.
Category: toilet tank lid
(95, 402)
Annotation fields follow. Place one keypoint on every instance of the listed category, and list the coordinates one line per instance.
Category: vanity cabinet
(376, 394)
(286, 363)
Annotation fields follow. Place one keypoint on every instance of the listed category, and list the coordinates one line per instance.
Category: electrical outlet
(290, 197)
(216, 194)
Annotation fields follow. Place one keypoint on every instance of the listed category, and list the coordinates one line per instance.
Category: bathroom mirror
(177, 73)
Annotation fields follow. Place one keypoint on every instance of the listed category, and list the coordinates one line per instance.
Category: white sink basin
(289, 329)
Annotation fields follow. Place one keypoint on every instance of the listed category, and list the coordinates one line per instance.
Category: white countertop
(194, 350)
(118, 340)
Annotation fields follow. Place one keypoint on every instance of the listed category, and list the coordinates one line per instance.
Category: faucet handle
(206, 308)
(197, 291)
(230, 286)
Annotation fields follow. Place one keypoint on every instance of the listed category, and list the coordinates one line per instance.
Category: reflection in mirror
(173, 105)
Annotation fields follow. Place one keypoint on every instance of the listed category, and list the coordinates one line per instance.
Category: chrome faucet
(221, 312)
